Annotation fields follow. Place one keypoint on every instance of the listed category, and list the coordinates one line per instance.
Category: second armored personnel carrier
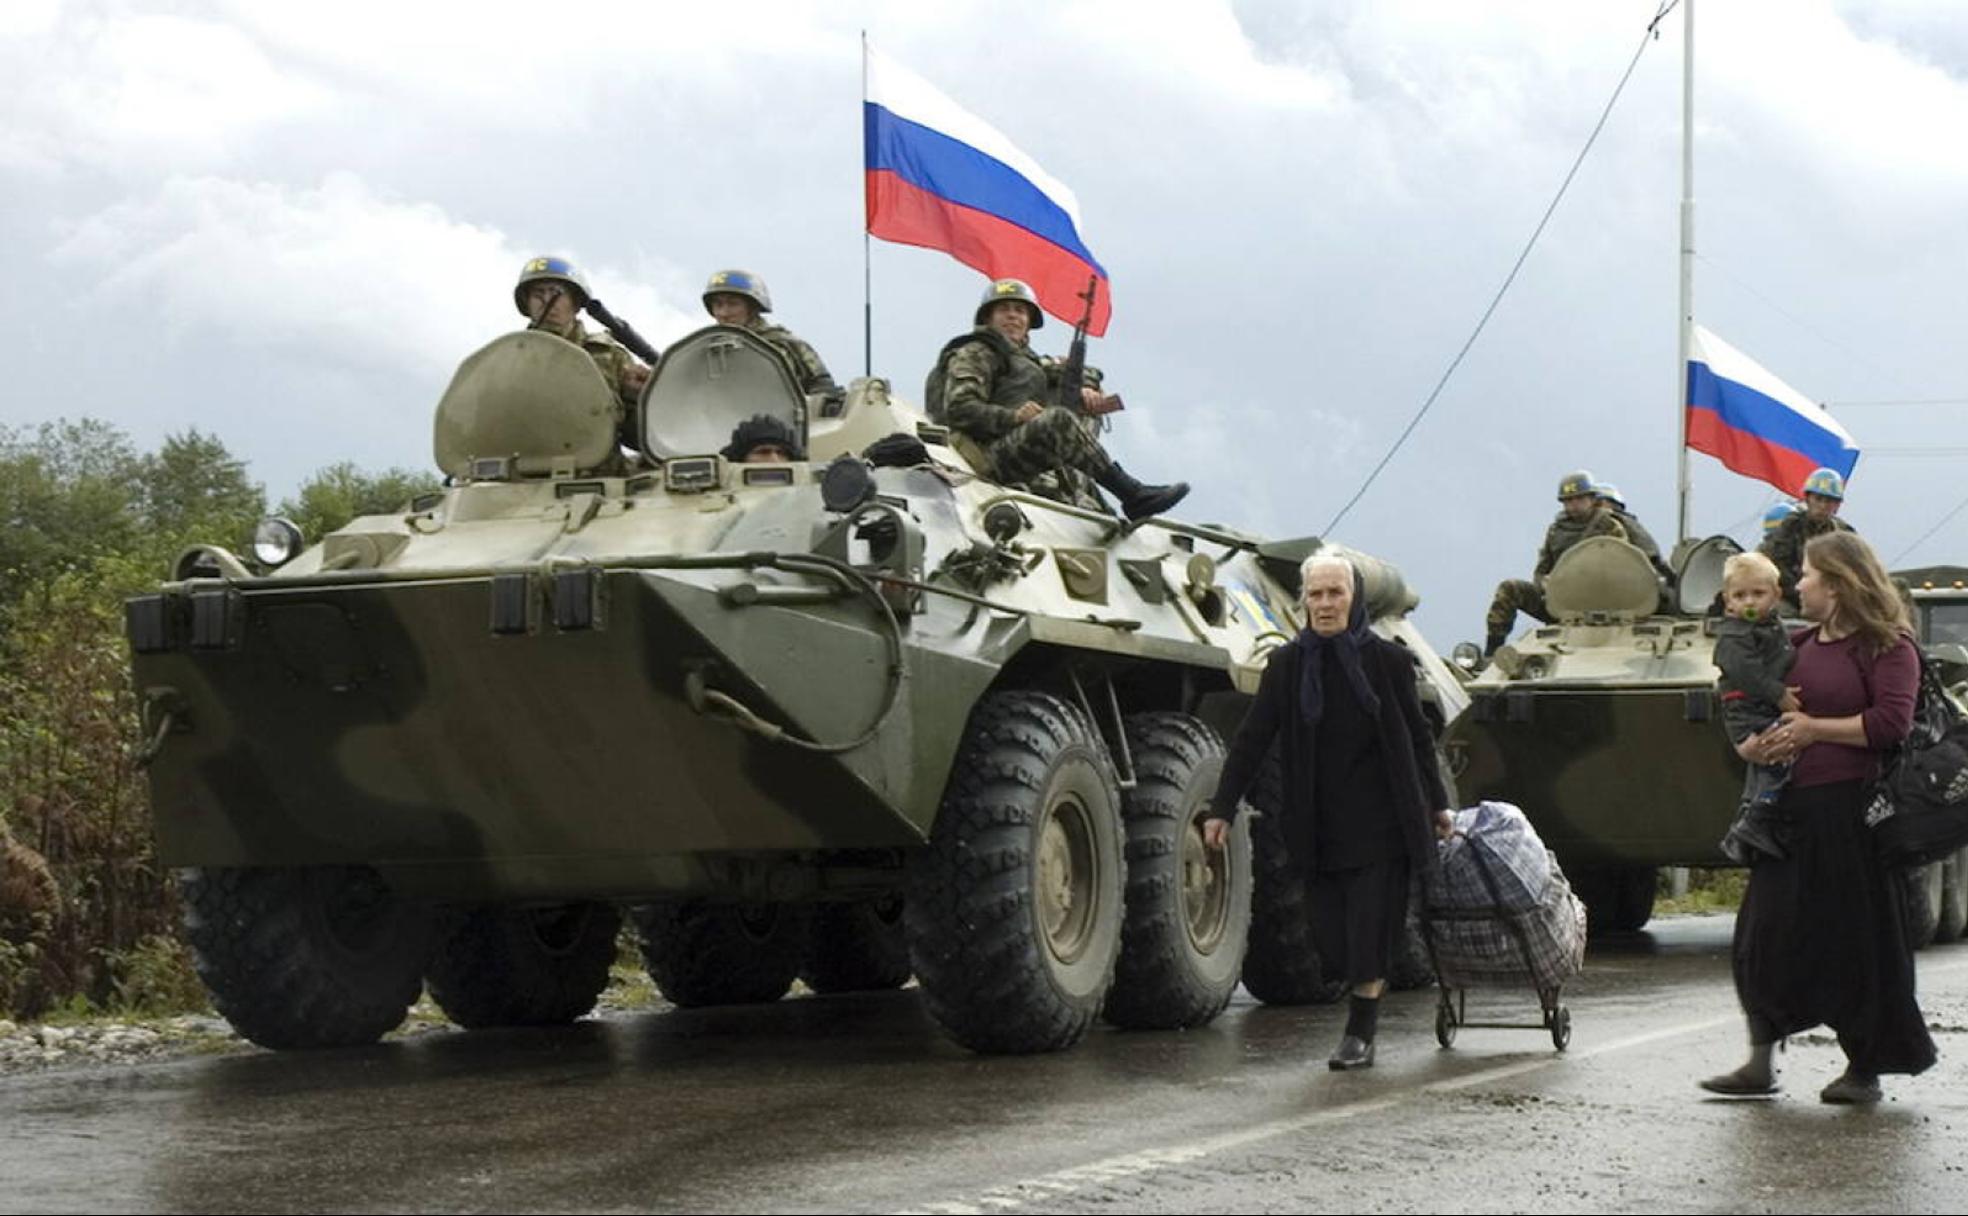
(1604, 727)
(815, 718)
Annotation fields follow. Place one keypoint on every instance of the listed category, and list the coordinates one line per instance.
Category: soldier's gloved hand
(1027, 412)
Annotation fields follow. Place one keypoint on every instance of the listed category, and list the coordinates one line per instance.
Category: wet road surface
(857, 1103)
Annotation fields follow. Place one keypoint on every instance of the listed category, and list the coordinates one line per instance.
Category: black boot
(1356, 1047)
(1139, 501)
(1755, 1079)
(1491, 643)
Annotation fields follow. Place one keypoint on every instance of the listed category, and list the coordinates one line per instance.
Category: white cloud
(129, 91)
(339, 271)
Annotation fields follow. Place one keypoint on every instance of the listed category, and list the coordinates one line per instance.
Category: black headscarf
(1346, 648)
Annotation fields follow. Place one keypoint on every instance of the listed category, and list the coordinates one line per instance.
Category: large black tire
(1618, 899)
(1920, 891)
(1281, 967)
(1014, 908)
(307, 957)
(1411, 966)
(858, 947)
(1954, 898)
(1188, 906)
(722, 954)
(525, 966)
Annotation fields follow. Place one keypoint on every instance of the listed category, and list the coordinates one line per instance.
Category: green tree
(341, 492)
(67, 495)
(193, 484)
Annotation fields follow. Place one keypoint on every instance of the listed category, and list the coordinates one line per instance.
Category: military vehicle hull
(817, 718)
(1563, 756)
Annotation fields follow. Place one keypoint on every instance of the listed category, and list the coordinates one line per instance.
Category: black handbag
(1917, 807)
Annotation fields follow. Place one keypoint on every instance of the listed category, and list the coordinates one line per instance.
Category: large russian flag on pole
(940, 177)
(1755, 423)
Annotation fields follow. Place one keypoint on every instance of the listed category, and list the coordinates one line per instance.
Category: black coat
(1414, 780)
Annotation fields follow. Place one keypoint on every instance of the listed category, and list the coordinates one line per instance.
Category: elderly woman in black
(1361, 786)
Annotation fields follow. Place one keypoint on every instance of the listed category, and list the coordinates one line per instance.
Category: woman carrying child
(1820, 939)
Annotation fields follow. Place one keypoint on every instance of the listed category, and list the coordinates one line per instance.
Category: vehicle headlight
(276, 541)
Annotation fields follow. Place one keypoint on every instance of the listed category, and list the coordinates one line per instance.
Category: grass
(1709, 892)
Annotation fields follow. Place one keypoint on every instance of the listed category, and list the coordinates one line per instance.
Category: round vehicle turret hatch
(530, 399)
(708, 383)
(1602, 575)
(1700, 578)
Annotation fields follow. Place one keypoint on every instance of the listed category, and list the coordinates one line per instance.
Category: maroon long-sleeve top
(1843, 678)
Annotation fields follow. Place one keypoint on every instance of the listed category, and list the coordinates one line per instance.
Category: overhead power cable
(1652, 32)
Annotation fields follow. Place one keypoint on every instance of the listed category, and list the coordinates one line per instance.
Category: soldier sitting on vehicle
(763, 439)
(740, 298)
(1636, 534)
(549, 294)
(993, 392)
(1583, 516)
(1824, 494)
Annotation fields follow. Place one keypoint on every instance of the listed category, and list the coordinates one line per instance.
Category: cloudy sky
(286, 224)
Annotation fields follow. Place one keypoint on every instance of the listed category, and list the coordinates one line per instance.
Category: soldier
(1583, 516)
(549, 294)
(993, 390)
(763, 439)
(1775, 516)
(1636, 535)
(1824, 493)
(740, 298)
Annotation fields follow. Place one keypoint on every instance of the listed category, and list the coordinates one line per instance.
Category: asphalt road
(857, 1103)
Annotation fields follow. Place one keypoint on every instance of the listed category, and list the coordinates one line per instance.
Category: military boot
(1139, 501)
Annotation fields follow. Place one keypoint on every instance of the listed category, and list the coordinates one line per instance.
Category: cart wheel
(1561, 1027)
(1445, 1022)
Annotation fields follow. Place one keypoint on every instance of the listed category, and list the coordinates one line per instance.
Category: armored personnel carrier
(818, 719)
(1603, 728)
(1940, 621)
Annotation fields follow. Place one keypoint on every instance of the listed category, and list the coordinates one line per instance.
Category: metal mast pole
(1687, 251)
(867, 256)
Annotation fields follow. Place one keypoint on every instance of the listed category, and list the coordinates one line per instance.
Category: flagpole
(867, 243)
(1687, 250)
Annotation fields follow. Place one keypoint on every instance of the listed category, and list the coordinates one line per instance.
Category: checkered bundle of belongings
(1499, 911)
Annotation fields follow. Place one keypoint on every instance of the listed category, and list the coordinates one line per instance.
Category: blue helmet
(1776, 515)
(1572, 485)
(738, 283)
(1825, 482)
(1607, 492)
(1010, 289)
(551, 269)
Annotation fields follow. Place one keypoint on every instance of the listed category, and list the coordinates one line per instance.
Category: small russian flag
(940, 177)
(1755, 423)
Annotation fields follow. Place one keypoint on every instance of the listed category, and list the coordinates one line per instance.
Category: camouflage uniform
(1641, 539)
(1055, 454)
(1785, 546)
(1517, 595)
(612, 359)
(812, 374)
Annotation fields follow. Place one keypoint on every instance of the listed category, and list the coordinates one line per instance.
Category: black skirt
(1821, 938)
(1356, 917)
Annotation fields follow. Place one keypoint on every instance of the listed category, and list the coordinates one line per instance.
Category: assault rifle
(624, 332)
(1072, 373)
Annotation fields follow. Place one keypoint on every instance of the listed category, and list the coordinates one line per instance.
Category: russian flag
(940, 177)
(1755, 423)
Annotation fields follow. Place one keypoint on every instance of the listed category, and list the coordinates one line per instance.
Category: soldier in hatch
(1636, 534)
(994, 392)
(740, 298)
(550, 294)
(763, 439)
(1582, 516)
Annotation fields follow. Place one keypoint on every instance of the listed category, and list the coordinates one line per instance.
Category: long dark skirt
(1821, 938)
(1356, 917)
